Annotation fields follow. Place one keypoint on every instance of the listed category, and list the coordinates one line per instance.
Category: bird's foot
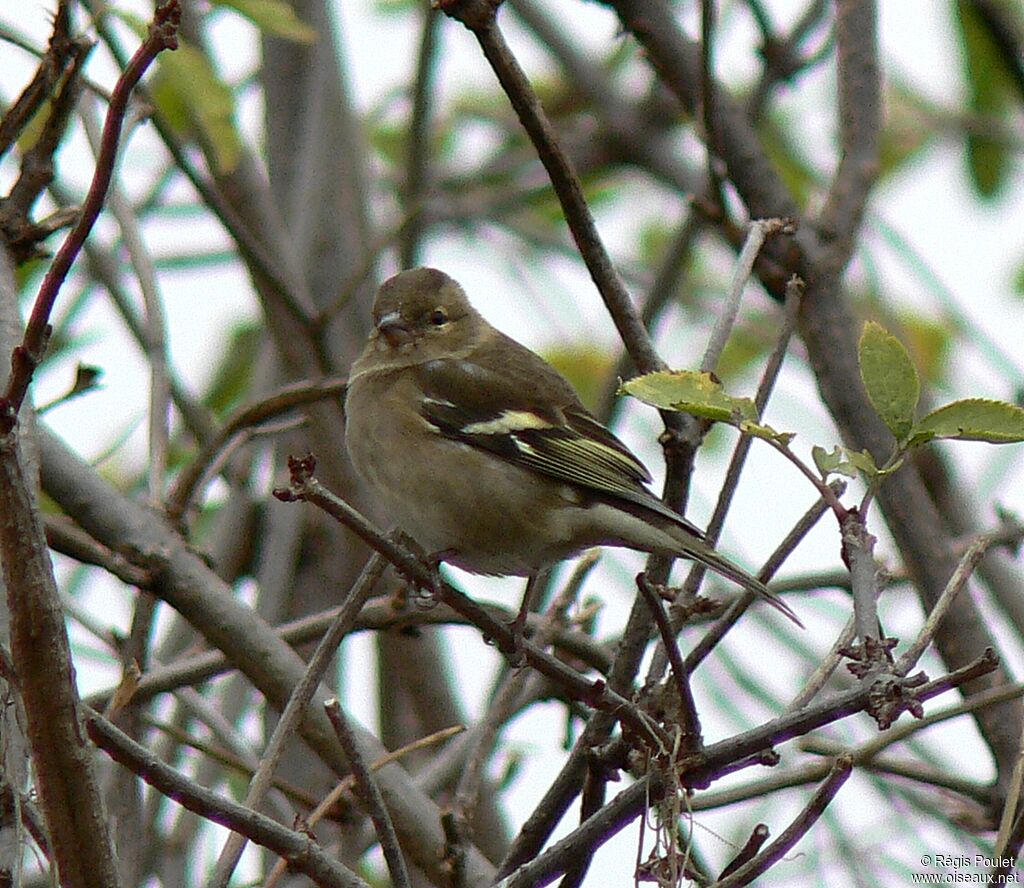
(428, 596)
(517, 654)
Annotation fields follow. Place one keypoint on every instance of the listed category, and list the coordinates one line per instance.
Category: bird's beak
(394, 329)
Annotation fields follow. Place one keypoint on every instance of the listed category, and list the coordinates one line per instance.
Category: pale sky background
(973, 251)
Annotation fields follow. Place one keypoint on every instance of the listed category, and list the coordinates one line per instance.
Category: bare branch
(293, 711)
(301, 851)
(841, 770)
(162, 35)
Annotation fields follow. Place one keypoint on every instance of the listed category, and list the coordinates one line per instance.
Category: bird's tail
(699, 550)
(653, 527)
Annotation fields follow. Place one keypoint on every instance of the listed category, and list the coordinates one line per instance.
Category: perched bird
(483, 453)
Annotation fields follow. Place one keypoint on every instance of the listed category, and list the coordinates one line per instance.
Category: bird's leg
(518, 625)
(424, 596)
(435, 593)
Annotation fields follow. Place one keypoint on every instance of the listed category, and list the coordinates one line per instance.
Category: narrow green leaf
(889, 378)
(989, 86)
(276, 18)
(903, 138)
(197, 103)
(1018, 281)
(688, 390)
(973, 419)
(765, 432)
(233, 377)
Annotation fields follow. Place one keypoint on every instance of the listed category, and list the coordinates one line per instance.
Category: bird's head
(423, 312)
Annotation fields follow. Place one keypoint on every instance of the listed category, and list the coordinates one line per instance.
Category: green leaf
(889, 377)
(694, 392)
(273, 17)
(904, 136)
(789, 156)
(990, 86)
(840, 461)
(1018, 281)
(973, 419)
(766, 432)
(832, 462)
(233, 377)
(197, 103)
(863, 462)
(928, 342)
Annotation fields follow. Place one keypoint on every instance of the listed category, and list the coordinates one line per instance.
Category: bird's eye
(439, 317)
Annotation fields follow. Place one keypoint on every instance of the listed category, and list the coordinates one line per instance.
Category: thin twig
(254, 252)
(334, 796)
(858, 552)
(744, 875)
(292, 714)
(479, 17)
(829, 663)
(103, 266)
(691, 737)
(735, 610)
(970, 560)
(155, 342)
(418, 139)
(760, 229)
(730, 484)
(285, 399)
(758, 836)
(707, 106)
(377, 615)
(301, 851)
(244, 762)
(163, 32)
(371, 795)
(480, 742)
(700, 768)
(1007, 842)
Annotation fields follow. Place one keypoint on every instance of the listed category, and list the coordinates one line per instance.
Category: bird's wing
(528, 414)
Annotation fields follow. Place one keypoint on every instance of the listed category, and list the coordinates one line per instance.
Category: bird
(483, 453)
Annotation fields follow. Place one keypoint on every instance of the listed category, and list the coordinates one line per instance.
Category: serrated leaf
(196, 102)
(889, 378)
(694, 392)
(275, 18)
(973, 419)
